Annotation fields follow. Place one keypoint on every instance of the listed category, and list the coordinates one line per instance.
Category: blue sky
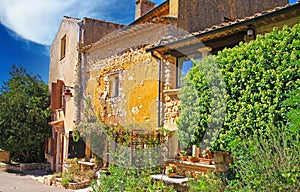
(27, 28)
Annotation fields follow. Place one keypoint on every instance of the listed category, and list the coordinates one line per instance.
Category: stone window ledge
(171, 91)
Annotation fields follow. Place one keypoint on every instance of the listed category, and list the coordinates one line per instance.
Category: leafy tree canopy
(258, 78)
(24, 115)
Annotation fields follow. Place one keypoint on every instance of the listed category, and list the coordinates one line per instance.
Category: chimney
(142, 7)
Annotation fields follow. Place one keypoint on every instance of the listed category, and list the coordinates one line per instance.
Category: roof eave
(229, 27)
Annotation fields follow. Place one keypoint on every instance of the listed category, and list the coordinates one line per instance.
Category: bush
(121, 179)
(257, 76)
(267, 163)
(207, 183)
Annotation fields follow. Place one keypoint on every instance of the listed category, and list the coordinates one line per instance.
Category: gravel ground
(29, 181)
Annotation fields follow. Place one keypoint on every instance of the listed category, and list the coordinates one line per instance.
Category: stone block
(219, 158)
(221, 167)
(228, 159)
(4, 156)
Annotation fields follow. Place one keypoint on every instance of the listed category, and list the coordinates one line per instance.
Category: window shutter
(56, 95)
(53, 96)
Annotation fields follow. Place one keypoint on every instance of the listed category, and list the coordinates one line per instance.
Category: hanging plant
(76, 135)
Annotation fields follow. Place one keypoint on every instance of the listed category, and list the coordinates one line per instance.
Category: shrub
(207, 183)
(257, 76)
(267, 163)
(125, 179)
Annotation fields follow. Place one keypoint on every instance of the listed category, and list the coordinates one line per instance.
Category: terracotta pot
(206, 161)
(181, 158)
(171, 174)
(194, 159)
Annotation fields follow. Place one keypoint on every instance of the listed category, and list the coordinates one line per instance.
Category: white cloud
(38, 20)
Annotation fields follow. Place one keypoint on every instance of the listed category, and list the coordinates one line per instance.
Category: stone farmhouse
(132, 74)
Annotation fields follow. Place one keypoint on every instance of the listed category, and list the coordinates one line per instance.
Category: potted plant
(206, 157)
(194, 159)
(181, 155)
(171, 170)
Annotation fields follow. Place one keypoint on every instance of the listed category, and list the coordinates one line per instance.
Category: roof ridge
(104, 21)
(71, 18)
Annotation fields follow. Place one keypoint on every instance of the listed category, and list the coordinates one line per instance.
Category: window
(114, 85)
(184, 64)
(76, 149)
(63, 43)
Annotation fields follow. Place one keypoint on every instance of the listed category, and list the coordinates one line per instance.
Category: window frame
(63, 47)
(179, 64)
(114, 85)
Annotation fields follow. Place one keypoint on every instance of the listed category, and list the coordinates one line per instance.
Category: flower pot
(194, 159)
(181, 158)
(171, 174)
(206, 161)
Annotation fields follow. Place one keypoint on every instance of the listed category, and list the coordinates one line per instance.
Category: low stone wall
(73, 186)
(222, 160)
(3, 166)
(29, 166)
(4, 156)
(35, 166)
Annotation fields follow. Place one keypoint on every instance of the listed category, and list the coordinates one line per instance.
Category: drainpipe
(159, 87)
(160, 77)
(78, 83)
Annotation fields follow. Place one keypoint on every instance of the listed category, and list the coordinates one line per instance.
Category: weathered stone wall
(138, 97)
(250, 7)
(169, 74)
(132, 37)
(196, 15)
(171, 111)
(123, 53)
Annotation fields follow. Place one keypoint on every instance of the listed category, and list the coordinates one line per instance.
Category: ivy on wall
(258, 76)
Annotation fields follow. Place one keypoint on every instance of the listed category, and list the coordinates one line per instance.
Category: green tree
(258, 77)
(24, 115)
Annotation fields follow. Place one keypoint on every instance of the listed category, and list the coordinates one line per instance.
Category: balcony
(57, 118)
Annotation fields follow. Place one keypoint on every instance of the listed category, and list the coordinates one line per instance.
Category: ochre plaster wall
(138, 97)
(65, 69)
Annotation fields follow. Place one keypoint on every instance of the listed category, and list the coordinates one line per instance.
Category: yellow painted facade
(136, 104)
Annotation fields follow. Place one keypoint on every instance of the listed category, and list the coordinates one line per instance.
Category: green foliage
(294, 114)
(24, 115)
(65, 180)
(209, 182)
(203, 103)
(267, 163)
(74, 173)
(258, 76)
(121, 179)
